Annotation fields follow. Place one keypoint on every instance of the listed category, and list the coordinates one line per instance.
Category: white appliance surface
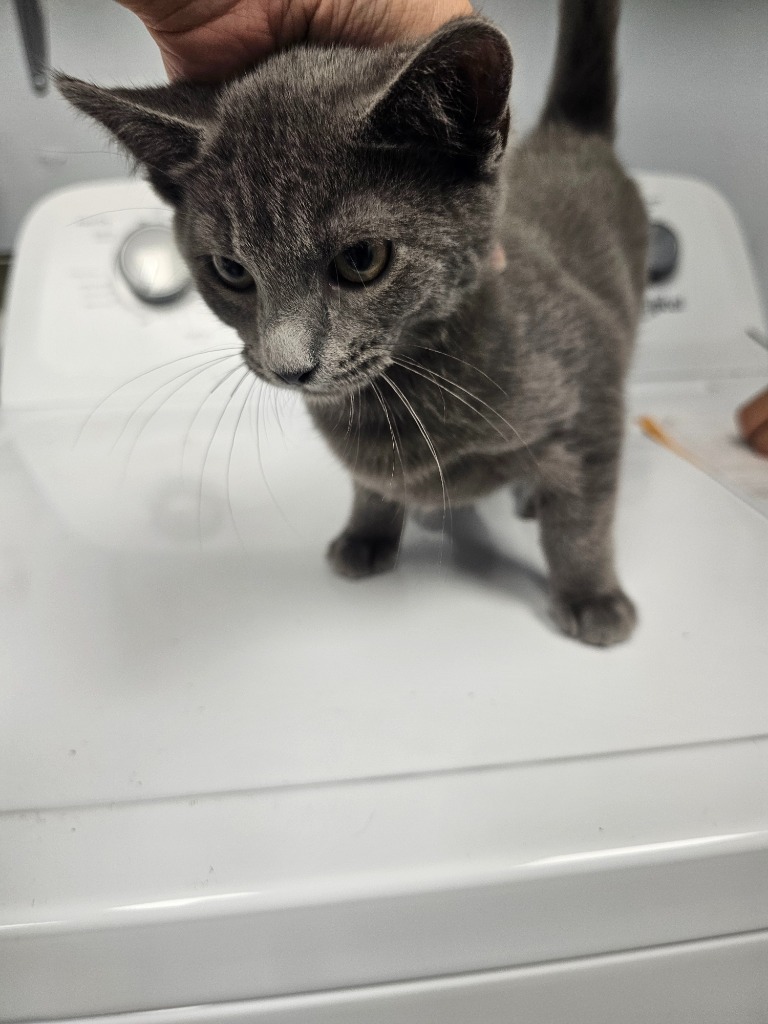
(232, 781)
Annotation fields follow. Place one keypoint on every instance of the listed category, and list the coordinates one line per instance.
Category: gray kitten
(458, 316)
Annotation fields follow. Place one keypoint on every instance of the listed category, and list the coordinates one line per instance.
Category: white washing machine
(236, 788)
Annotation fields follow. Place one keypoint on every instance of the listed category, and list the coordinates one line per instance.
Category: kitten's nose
(303, 376)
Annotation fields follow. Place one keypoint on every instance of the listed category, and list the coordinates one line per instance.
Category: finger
(753, 414)
(377, 22)
(758, 439)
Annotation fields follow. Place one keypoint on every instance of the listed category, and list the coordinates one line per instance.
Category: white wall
(43, 143)
(694, 96)
(694, 93)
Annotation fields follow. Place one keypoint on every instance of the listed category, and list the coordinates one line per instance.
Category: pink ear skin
(498, 258)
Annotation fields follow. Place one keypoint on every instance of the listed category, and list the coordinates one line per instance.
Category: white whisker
(425, 434)
(199, 410)
(139, 376)
(260, 457)
(441, 352)
(191, 374)
(428, 376)
(211, 439)
(422, 371)
(395, 446)
(248, 394)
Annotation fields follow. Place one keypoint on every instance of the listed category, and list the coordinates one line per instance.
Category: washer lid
(225, 773)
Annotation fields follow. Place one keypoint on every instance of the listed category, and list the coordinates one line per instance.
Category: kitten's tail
(583, 89)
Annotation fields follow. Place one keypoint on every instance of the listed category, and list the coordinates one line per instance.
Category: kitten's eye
(362, 262)
(232, 273)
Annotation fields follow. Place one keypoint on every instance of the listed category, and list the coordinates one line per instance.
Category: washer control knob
(663, 251)
(151, 265)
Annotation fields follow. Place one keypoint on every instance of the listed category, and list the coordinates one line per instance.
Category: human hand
(752, 418)
(210, 40)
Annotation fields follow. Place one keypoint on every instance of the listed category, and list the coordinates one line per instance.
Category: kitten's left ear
(452, 96)
(162, 127)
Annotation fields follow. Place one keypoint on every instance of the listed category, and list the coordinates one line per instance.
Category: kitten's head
(331, 199)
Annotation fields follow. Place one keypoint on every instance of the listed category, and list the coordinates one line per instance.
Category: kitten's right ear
(162, 127)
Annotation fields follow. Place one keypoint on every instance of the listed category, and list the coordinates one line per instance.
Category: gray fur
(493, 350)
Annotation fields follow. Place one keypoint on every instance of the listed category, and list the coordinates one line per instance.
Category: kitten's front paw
(356, 557)
(603, 620)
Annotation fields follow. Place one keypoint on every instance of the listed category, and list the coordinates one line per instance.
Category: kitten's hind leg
(577, 536)
(370, 541)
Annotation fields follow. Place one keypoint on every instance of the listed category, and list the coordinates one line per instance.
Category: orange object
(753, 422)
(653, 429)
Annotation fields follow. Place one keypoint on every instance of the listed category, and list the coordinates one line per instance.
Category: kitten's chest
(422, 447)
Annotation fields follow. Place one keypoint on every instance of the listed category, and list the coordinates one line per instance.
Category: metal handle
(35, 38)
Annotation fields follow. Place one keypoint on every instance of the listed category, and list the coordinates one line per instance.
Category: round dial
(663, 251)
(151, 265)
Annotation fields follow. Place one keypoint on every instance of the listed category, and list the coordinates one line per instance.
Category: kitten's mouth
(320, 385)
(350, 382)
